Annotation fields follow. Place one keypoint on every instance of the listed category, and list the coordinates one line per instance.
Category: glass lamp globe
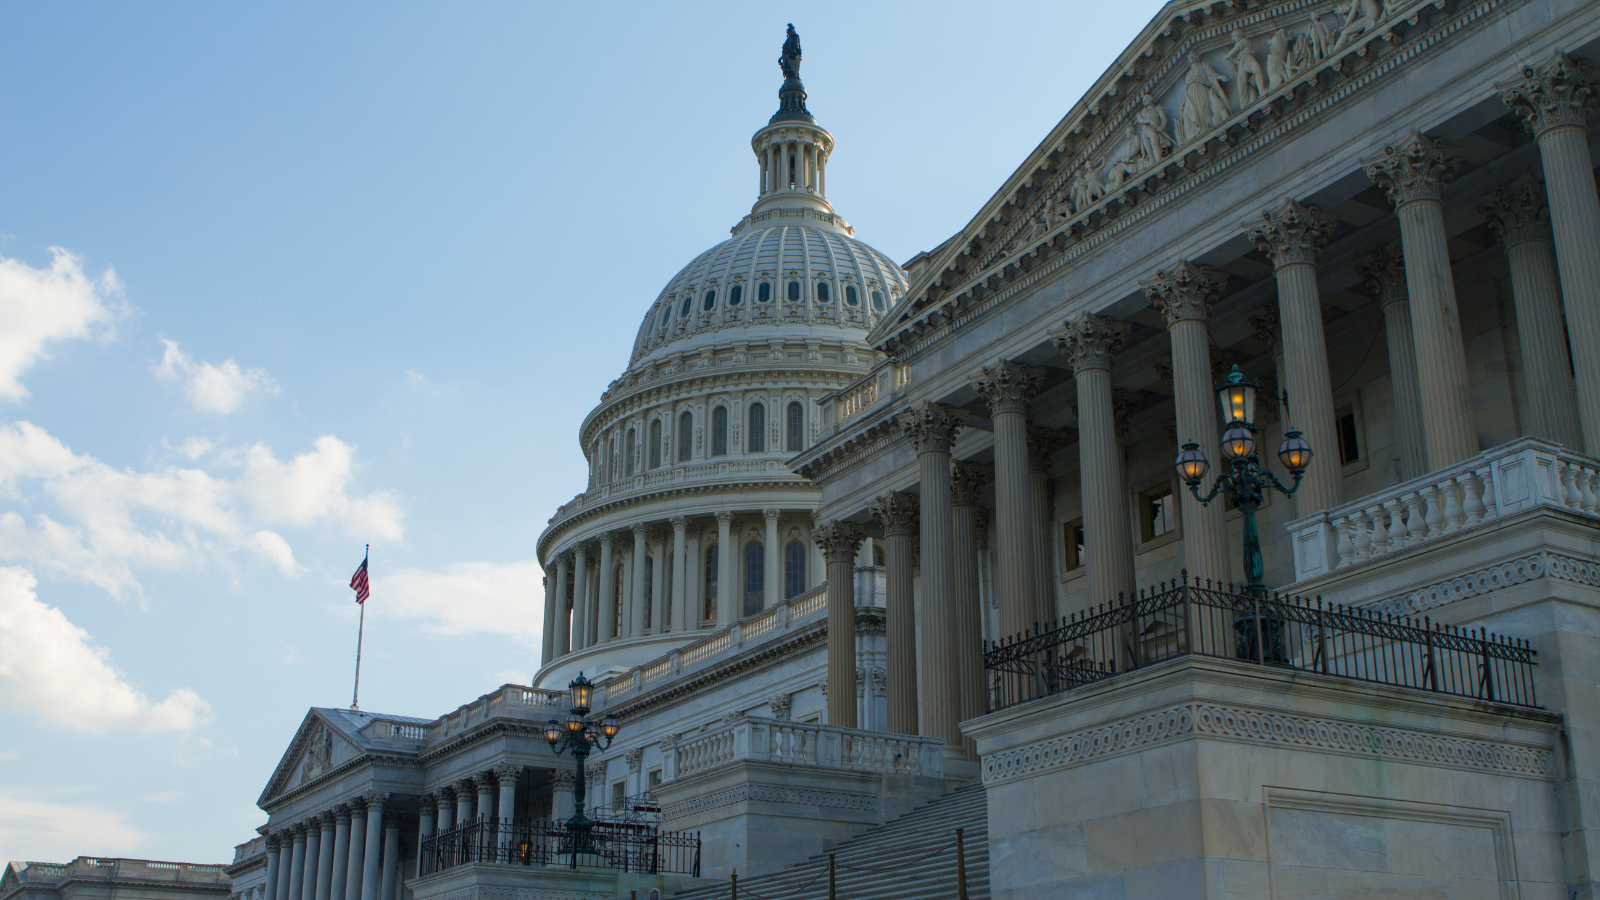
(1192, 465)
(1238, 442)
(609, 726)
(1294, 452)
(552, 731)
(580, 691)
(574, 722)
(1238, 398)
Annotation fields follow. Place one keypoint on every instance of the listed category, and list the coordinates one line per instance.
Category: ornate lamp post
(580, 736)
(1247, 482)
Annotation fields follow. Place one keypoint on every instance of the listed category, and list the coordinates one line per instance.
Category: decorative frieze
(1489, 579)
(1414, 168)
(758, 793)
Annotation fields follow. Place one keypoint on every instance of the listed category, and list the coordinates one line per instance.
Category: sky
(281, 280)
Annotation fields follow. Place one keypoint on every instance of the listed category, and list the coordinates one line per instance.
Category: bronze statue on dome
(789, 62)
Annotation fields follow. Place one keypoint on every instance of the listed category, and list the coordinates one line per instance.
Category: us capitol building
(884, 583)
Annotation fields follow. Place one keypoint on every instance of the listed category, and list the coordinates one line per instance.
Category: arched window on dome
(850, 295)
(764, 293)
(655, 444)
(611, 460)
(756, 441)
(794, 427)
(794, 290)
(822, 292)
(735, 294)
(688, 300)
(711, 299)
(755, 577)
(685, 435)
(877, 300)
(719, 431)
(794, 570)
(710, 611)
(627, 453)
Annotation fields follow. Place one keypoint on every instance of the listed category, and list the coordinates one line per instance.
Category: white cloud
(213, 387)
(194, 448)
(467, 598)
(39, 307)
(311, 487)
(60, 832)
(50, 667)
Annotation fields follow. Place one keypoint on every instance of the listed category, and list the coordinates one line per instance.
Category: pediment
(320, 746)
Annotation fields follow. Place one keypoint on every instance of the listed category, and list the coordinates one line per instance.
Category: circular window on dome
(684, 312)
(822, 292)
(710, 301)
(794, 290)
(877, 300)
(764, 293)
(850, 295)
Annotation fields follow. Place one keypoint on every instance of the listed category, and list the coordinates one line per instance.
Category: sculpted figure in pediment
(1317, 44)
(1150, 127)
(1250, 79)
(1128, 166)
(1085, 190)
(1205, 105)
(1281, 53)
(1360, 17)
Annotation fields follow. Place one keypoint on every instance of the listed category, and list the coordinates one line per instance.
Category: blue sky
(277, 281)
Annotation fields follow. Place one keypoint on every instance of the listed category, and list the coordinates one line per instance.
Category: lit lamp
(580, 690)
(582, 737)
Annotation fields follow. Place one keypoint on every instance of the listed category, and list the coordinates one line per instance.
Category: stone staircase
(911, 858)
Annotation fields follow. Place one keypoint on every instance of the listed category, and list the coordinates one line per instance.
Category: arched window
(764, 293)
(666, 313)
(794, 570)
(685, 435)
(711, 299)
(757, 439)
(655, 444)
(822, 292)
(683, 312)
(850, 295)
(627, 454)
(877, 300)
(719, 431)
(711, 582)
(611, 457)
(877, 555)
(794, 290)
(735, 294)
(755, 577)
(794, 427)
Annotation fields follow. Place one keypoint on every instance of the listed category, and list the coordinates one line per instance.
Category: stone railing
(885, 380)
(136, 869)
(720, 472)
(511, 701)
(751, 739)
(1473, 494)
(249, 849)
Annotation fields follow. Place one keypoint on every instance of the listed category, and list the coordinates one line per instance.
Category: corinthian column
(1554, 102)
(1385, 275)
(727, 613)
(839, 542)
(1290, 236)
(897, 516)
(563, 640)
(1184, 294)
(297, 863)
(391, 856)
(772, 562)
(325, 857)
(1090, 343)
(680, 572)
(308, 888)
(270, 887)
(658, 583)
(1412, 173)
(636, 595)
(370, 877)
(1007, 387)
(932, 429)
(608, 591)
(580, 601)
(1043, 444)
(966, 483)
(358, 850)
(1519, 216)
(547, 639)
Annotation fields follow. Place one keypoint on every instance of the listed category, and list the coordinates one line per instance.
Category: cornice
(731, 489)
(866, 438)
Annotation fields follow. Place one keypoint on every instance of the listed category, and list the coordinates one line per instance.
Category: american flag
(358, 581)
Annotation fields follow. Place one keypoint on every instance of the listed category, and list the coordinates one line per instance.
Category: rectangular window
(719, 431)
(685, 436)
(1158, 512)
(795, 427)
(1074, 537)
(757, 439)
(619, 793)
(1345, 424)
(711, 582)
(655, 779)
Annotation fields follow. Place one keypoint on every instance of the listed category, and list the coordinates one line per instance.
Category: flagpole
(355, 698)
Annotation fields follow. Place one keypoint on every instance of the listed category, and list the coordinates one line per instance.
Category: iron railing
(1186, 617)
(627, 846)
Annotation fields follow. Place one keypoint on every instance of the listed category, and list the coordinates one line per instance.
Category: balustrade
(751, 739)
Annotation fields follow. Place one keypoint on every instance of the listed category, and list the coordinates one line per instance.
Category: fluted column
(1412, 173)
(507, 776)
(464, 791)
(608, 591)
(325, 858)
(1554, 101)
(1090, 343)
(391, 855)
(658, 584)
(1184, 294)
(340, 875)
(297, 864)
(270, 887)
(447, 808)
(1007, 387)
(1519, 216)
(967, 480)
(636, 594)
(1290, 236)
(695, 588)
(773, 557)
(680, 573)
(839, 542)
(1385, 275)
(580, 598)
(285, 863)
(933, 429)
(1043, 444)
(427, 806)
(371, 882)
(547, 639)
(727, 612)
(313, 857)
(563, 640)
(897, 516)
(358, 850)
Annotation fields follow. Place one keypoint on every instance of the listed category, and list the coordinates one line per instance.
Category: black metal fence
(1185, 617)
(630, 847)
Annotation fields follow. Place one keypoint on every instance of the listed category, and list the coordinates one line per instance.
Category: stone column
(772, 555)
(658, 584)
(897, 516)
(463, 790)
(1043, 444)
(967, 480)
(1090, 343)
(636, 596)
(1412, 173)
(695, 589)
(625, 562)
(427, 804)
(547, 640)
(1184, 294)
(580, 598)
(271, 885)
(1385, 275)
(391, 854)
(1554, 102)
(932, 429)
(325, 858)
(1007, 387)
(562, 784)
(506, 811)
(839, 542)
(285, 864)
(727, 612)
(1290, 236)
(487, 785)
(447, 808)
(341, 852)
(563, 644)
(608, 591)
(308, 888)
(297, 864)
(680, 573)
(358, 850)
(370, 878)
(1519, 216)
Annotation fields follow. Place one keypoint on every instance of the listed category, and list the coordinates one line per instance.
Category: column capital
(679, 523)
(606, 540)
(771, 515)
(724, 517)
(932, 427)
(1517, 213)
(1185, 291)
(563, 779)
(427, 803)
(467, 786)
(1265, 322)
(1292, 233)
(1043, 443)
(1413, 168)
(839, 541)
(634, 757)
(967, 480)
(299, 829)
(375, 801)
(639, 529)
(1562, 92)
(393, 819)
(445, 795)
(486, 782)
(1123, 405)
(271, 842)
(1008, 386)
(507, 775)
(896, 513)
(1090, 341)
(1384, 274)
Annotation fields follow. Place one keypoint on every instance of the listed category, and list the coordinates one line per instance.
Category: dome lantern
(792, 150)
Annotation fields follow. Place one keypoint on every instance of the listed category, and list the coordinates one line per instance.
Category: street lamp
(580, 736)
(1246, 482)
